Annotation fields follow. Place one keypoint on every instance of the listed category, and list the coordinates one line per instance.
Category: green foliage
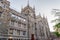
(57, 34)
(57, 20)
(57, 25)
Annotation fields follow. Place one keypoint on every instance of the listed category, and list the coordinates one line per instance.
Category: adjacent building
(20, 26)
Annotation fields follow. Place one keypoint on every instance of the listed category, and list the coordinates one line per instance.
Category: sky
(41, 6)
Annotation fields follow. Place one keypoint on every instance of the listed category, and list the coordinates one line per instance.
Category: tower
(29, 9)
(29, 13)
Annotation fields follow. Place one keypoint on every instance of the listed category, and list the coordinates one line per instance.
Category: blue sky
(43, 6)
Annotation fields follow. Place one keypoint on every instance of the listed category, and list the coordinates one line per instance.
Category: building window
(22, 25)
(0, 14)
(24, 32)
(11, 31)
(19, 24)
(18, 32)
(12, 22)
(3, 6)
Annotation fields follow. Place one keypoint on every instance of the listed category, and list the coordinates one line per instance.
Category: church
(22, 26)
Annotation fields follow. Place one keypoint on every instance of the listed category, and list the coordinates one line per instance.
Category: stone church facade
(20, 26)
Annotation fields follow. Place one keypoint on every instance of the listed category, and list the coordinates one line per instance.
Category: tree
(57, 20)
(57, 26)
